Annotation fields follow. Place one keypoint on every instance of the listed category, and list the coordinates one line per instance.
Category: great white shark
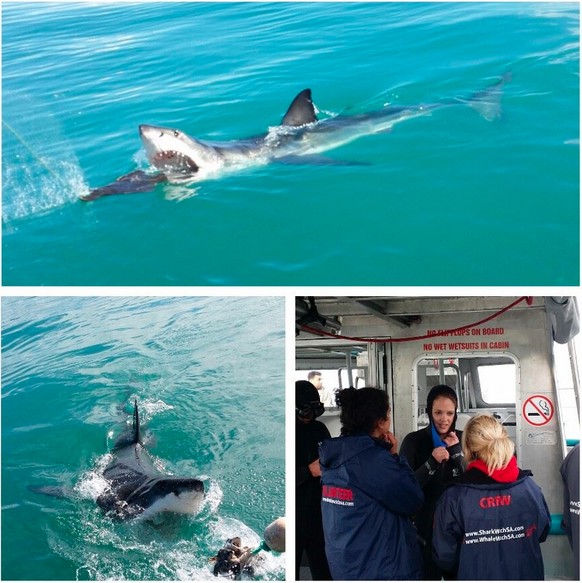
(300, 138)
(135, 487)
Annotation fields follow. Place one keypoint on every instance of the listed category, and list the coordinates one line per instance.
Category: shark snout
(149, 132)
(169, 150)
(147, 135)
(153, 133)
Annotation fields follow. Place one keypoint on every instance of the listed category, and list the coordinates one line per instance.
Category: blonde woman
(489, 524)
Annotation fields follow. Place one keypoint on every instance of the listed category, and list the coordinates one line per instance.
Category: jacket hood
(509, 473)
(441, 391)
(475, 478)
(338, 450)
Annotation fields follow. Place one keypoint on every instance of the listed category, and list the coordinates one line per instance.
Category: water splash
(172, 548)
(92, 483)
(149, 408)
(40, 169)
(178, 193)
(29, 189)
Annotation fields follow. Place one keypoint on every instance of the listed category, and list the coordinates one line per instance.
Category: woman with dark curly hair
(369, 493)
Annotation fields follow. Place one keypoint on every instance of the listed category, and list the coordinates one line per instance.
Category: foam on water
(213, 498)
(92, 483)
(149, 408)
(40, 185)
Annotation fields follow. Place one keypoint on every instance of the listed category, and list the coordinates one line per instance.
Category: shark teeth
(173, 159)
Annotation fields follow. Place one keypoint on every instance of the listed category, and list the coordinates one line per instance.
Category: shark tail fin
(136, 429)
(487, 103)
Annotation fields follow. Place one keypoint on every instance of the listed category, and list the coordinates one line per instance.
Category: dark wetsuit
(309, 530)
(433, 477)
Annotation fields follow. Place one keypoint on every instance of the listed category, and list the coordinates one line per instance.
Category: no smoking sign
(538, 410)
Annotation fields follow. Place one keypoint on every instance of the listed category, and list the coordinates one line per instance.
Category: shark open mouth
(173, 160)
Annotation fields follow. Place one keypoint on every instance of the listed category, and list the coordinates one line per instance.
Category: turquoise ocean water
(443, 199)
(208, 374)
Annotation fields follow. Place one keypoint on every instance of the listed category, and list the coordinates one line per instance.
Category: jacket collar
(508, 474)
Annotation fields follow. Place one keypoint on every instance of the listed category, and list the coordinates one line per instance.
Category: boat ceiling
(335, 313)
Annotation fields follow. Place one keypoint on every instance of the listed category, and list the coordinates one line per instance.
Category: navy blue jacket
(485, 529)
(570, 471)
(368, 497)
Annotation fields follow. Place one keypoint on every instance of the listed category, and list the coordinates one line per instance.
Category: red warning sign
(538, 410)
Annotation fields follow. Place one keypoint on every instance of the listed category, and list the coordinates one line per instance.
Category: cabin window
(565, 362)
(497, 383)
(481, 382)
(436, 371)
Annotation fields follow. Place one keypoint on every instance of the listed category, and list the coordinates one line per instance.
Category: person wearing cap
(436, 456)
(309, 433)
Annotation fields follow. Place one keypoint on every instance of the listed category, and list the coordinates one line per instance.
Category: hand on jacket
(440, 454)
(451, 439)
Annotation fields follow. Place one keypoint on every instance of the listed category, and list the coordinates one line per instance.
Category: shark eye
(161, 134)
(176, 134)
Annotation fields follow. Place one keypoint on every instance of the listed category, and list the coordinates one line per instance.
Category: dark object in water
(232, 560)
(138, 181)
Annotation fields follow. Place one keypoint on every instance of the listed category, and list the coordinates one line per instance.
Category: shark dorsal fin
(301, 110)
(136, 432)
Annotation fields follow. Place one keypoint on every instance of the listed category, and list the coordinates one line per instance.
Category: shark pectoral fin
(301, 110)
(54, 491)
(137, 181)
(315, 160)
